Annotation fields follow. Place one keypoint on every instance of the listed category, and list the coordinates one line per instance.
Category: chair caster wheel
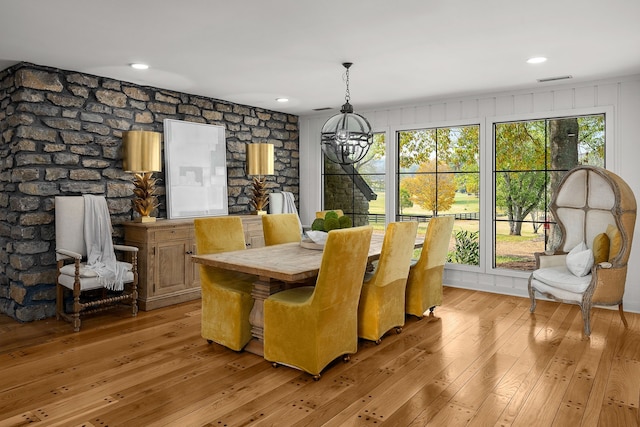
(346, 358)
(378, 341)
(398, 330)
(316, 377)
(275, 365)
(210, 341)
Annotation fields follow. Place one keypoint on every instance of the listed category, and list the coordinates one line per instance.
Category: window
(359, 189)
(439, 174)
(531, 158)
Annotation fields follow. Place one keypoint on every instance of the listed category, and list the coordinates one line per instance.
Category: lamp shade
(141, 151)
(260, 159)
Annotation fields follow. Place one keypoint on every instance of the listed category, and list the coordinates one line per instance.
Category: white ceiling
(253, 51)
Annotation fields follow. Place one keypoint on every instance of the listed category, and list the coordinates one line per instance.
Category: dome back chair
(595, 208)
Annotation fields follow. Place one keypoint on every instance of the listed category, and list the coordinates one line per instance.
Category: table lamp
(141, 156)
(259, 164)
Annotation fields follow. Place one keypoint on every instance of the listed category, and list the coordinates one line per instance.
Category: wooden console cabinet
(166, 273)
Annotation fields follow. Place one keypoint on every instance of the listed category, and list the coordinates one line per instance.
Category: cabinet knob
(189, 253)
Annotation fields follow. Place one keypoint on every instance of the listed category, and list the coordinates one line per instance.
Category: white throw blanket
(289, 206)
(97, 234)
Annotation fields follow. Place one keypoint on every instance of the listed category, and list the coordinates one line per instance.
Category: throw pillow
(580, 260)
(615, 241)
(600, 248)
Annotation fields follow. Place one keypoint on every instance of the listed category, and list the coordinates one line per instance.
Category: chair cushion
(560, 277)
(600, 248)
(615, 241)
(70, 270)
(88, 277)
(580, 260)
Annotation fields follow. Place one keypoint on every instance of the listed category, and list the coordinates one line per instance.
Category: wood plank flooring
(482, 360)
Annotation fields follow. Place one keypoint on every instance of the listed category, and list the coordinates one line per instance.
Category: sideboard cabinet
(166, 274)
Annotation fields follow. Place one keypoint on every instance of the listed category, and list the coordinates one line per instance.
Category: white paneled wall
(620, 98)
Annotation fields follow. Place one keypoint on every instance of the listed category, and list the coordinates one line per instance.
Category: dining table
(277, 268)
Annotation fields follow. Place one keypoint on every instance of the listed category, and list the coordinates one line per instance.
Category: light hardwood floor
(483, 360)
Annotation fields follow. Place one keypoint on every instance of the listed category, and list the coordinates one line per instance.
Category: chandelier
(346, 137)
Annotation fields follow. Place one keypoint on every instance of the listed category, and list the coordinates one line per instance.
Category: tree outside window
(531, 158)
(438, 174)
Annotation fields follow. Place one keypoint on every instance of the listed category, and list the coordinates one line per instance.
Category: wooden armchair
(83, 276)
(596, 212)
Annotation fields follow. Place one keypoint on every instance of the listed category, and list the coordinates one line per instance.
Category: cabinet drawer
(179, 233)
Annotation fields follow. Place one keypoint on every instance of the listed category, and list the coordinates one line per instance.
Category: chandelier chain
(347, 95)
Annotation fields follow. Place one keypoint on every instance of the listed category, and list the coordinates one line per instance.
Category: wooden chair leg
(59, 300)
(77, 307)
(532, 296)
(624, 319)
(586, 314)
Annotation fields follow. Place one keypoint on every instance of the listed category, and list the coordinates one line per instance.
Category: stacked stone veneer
(340, 192)
(61, 134)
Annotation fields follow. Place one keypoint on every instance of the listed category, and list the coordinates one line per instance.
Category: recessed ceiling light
(282, 99)
(139, 66)
(536, 60)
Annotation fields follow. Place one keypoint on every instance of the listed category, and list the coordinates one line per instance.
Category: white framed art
(196, 169)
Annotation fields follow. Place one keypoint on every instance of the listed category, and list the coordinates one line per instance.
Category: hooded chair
(226, 295)
(78, 277)
(281, 228)
(383, 292)
(424, 286)
(308, 327)
(596, 213)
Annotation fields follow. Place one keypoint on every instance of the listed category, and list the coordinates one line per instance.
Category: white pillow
(580, 260)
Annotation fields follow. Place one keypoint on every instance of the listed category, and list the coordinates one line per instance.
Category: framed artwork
(196, 169)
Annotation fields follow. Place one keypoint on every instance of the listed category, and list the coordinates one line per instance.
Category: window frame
(488, 243)
(392, 213)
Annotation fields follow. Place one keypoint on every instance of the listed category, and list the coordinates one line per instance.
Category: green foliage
(345, 221)
(520, 146)
(467, 249)
(331, 214)
(318, 224)
(405, 199)
(331, 223)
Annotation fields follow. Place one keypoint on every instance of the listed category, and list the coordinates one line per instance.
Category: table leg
(262, 288)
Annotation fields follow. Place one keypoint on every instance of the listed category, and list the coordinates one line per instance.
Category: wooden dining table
(276, 268)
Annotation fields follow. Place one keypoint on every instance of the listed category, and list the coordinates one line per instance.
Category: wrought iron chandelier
(346, 137)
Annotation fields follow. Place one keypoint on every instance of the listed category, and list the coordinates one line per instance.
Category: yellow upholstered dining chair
(308, 327)
(226, 295)
(321, 214)
(596, 213)
(424, 286)
(381, 305)
(82, 221)
(281, 228)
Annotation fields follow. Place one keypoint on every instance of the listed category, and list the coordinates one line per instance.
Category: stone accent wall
(341, 192)
(61, 135)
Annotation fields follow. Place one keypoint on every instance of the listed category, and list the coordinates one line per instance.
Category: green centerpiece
(331, 221)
